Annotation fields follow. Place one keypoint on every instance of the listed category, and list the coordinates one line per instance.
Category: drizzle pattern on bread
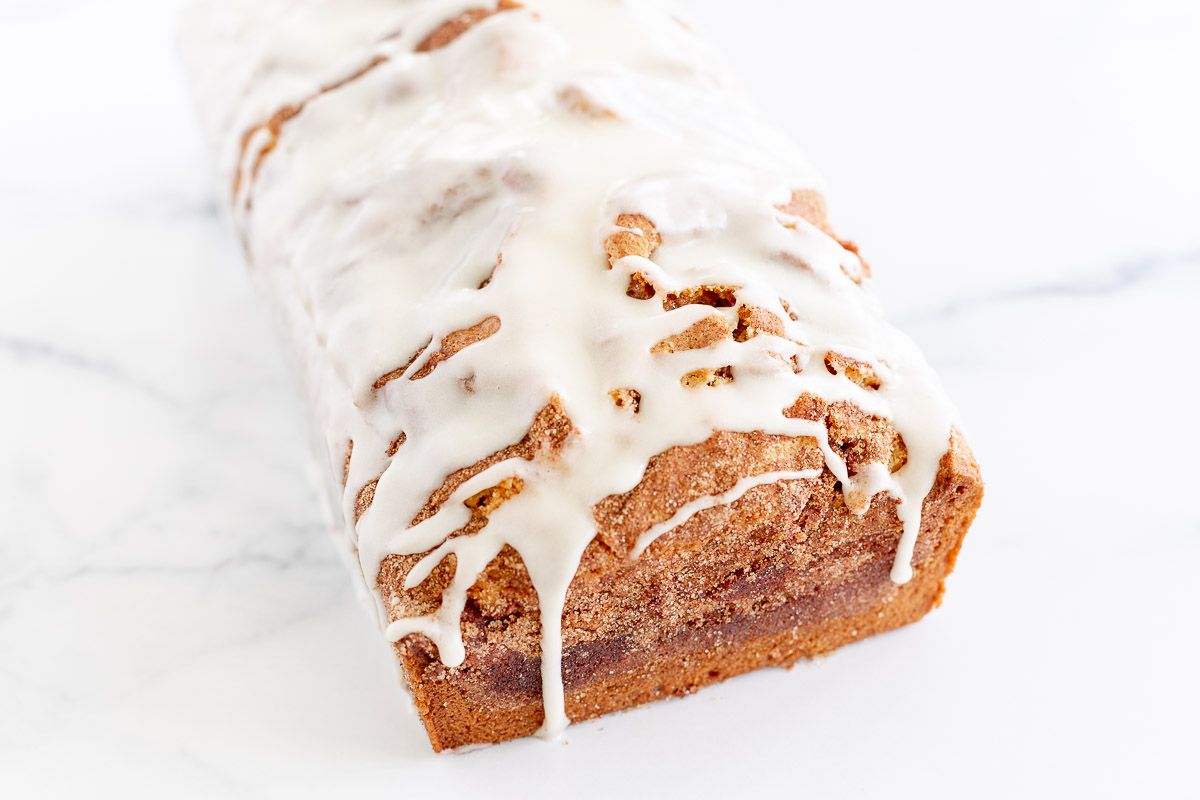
(610, 412)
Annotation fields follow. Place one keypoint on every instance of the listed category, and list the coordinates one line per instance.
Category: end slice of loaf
(607, 409)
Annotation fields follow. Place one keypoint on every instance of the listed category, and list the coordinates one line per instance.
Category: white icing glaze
(378, 217)
(693, 508)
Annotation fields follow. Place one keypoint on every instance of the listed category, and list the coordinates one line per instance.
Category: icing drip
(434, 229)
(696, 506)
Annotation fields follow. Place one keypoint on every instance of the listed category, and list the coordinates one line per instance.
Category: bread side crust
(784, 573)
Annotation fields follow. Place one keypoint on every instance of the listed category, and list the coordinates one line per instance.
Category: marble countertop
(1025, 178)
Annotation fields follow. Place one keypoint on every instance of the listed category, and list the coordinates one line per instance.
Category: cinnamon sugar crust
(810, 205)
(698, 336)
(754, 321)
(639, 237)
(860, 372)
(272, 127)
(784, 573)
(451, 29)
(791, 567)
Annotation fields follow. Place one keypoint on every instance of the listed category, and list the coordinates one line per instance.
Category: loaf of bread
(607, 410)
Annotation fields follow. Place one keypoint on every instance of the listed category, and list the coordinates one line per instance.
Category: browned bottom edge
(457, 713)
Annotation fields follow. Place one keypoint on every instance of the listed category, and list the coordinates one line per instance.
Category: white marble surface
(1025, 177)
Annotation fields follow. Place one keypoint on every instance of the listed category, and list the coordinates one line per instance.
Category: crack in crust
(627, 399)
(754, 321)
(640, 287)
(490, 499)
(711, 378)
(492, 275)
(714, 295)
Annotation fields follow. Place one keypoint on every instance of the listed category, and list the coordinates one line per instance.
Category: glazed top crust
(528, 253)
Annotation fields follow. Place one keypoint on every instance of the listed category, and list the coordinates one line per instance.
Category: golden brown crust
(860, 372)
(810, 205)
(786, 572)
(453, 28)
(396, 444)
(454, 343)
(364, 498)
(627, 399)
(640, 287)
(488, 500)
(858, 437)
(712, 378)
(709, 295)
(384, 380)
(704, 333)
(548, 432)
(754, 321)
(639, 238)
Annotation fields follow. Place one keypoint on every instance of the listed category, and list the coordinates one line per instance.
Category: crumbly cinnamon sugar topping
(408, 163)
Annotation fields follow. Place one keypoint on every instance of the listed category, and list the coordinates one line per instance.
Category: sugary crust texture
(784, 573)
(809, 205)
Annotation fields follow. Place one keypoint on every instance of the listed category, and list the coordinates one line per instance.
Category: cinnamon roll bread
(606, 408)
